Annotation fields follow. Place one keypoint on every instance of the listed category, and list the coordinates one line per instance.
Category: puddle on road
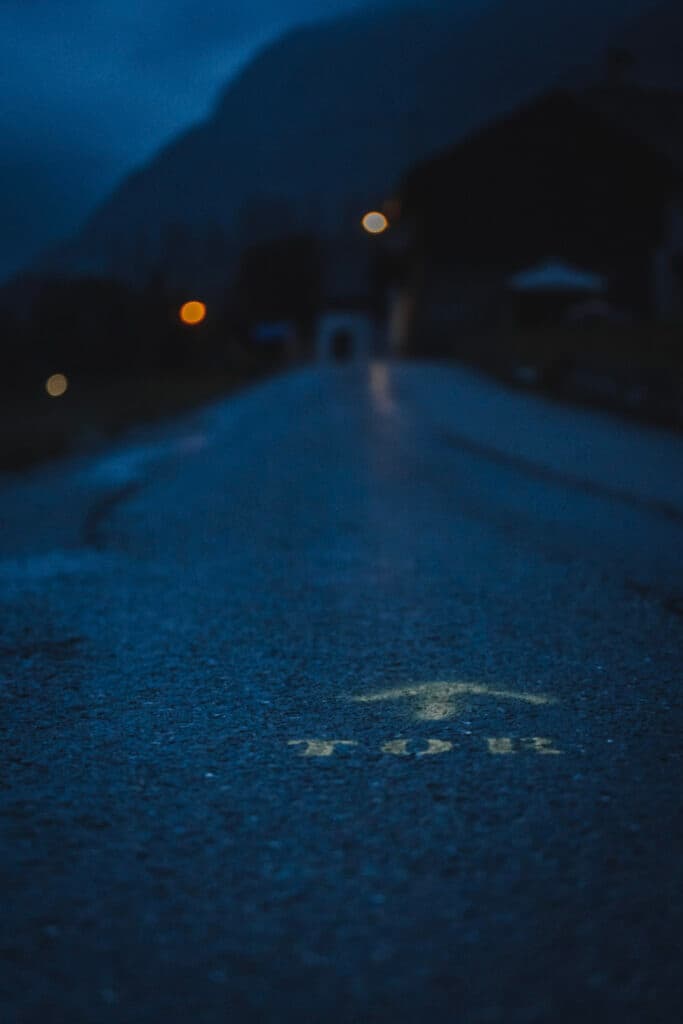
(51, 565)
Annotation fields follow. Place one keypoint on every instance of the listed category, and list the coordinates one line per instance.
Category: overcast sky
(92, 87)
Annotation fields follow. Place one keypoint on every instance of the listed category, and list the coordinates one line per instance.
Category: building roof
(555, 176)
(655, 116)
(557, 277)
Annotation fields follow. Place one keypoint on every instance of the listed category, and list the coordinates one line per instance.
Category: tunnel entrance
(342, 346)
(345, 335)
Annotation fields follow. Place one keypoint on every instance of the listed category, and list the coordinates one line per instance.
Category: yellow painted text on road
(416, 748)
(320, 748)
(404, 748)
(536, 744)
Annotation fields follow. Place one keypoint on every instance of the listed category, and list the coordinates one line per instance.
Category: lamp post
(193, 313)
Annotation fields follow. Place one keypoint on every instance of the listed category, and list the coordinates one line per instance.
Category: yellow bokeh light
(193, 313)
(375, 223)
(56, 385)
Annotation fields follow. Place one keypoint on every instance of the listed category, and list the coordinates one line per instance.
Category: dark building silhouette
(562, 179)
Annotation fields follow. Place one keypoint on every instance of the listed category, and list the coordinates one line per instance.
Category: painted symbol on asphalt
(436, 702)
(501, 746)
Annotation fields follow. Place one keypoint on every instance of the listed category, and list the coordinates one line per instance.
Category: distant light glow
(56, 385)
(392, 209)
(193, 313)
(375, 223)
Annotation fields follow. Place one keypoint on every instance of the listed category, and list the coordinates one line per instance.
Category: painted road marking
(438, 701)
(320, 748)
(496, 745)
(401, 748)
(506, 745)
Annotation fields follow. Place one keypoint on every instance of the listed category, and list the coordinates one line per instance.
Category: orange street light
(193, 313)
(56, 385)
(375, 223)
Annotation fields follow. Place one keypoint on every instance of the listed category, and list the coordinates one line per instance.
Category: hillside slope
(323, 122)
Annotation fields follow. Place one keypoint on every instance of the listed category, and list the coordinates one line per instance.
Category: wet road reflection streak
(381, 393)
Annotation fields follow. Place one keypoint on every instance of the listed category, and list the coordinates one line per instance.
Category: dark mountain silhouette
(323, 122)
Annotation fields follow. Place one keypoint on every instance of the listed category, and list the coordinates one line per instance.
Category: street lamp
(193, 313)
(375, 223)
(56, 385)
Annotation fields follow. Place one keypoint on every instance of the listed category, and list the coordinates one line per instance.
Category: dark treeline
(123, 356)
(99, 327)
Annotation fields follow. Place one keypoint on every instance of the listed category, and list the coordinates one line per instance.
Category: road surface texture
(354, 698)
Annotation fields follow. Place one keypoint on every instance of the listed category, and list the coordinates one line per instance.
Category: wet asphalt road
(356, 698)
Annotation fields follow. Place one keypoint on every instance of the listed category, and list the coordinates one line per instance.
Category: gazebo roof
(557, 277)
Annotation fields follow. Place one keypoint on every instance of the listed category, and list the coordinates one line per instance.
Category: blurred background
(194, 196)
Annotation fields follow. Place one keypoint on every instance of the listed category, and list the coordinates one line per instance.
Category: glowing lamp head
(375, 223)
(56, 385)
(193, 313)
